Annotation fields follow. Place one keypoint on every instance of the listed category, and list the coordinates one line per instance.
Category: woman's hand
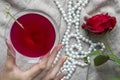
(41, 71)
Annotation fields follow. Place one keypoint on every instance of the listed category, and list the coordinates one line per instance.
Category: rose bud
(100, 23)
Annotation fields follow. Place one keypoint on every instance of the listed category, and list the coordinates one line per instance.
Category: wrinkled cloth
(102, 72)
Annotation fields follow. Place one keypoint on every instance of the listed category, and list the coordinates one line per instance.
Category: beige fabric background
(95, 6)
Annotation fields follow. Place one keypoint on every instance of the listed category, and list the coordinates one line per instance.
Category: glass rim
(28, 11)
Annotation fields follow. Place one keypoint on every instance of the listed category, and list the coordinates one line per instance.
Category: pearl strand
(61, 10)
(73, 17)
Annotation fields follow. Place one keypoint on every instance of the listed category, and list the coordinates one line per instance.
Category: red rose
(100, 23)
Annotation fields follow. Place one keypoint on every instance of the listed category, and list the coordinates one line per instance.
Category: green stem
(87, 75)
(108, 44)
(8, 12)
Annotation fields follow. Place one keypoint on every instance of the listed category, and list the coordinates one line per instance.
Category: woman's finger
(60, 76)
(53, 55)
(57, 67)
(39, 67)
(51, 58)
(10, 51)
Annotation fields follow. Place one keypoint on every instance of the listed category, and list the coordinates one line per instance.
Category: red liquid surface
(36, 39)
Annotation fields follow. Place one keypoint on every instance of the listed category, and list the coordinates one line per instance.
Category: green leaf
(97, 52)
(114, 58)
(100, 59)
(113, 79)
(85, 60)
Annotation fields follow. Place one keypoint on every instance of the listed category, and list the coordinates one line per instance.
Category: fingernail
(65, 57)
(9, 46)
(5, 40)
(59, 47)
(65, 73)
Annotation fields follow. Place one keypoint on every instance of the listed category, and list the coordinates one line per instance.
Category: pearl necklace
(73, 18)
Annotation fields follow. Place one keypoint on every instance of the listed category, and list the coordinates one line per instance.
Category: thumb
(10, 53)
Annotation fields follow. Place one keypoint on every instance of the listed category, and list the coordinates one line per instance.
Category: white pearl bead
(69, 2)
(63, 39)
(82, 52)
(74, 14)
(64, 36)
(86, 1)
(101, 49)
(70, 17)
(67, 39)
(77, 23)
(95, 44)
(70, 20)
(86, 40)
(74, 66)
(65, 18)
(63, 43)
(63, 78)
(67, 30)
(77, 38)
(56, 59)
(64, 14)
(75, 6)
(70, 71)
(70, 10)
(77, 11)
(80, 35)
(61, 9)
(56, 2)
(86, 53)
(79, 8)
(69, 13)
(77, 30)
(66, 77)
(94, 49)
(73, 56)
(58, 56)
(77, 19)
(83, 38)
(59, 5)
(90, 49)
(82, 64)
(90, 42)
(70, 54)
(80, 1)
(78, 56)
(69, 24)
(69, 75)
(83, 4)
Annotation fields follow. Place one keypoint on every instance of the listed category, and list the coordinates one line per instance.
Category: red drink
(36, 39)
